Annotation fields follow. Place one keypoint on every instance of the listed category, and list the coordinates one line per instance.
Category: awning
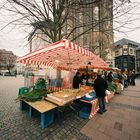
(63, 55)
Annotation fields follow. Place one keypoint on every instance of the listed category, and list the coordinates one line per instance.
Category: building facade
(98, 18)
(138, 60)
(7, 61)
(125, 54)
(95, 20)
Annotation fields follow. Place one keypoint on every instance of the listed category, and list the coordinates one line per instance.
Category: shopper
(133, 77)
(100, 86)
(110, 76)
(76, 80)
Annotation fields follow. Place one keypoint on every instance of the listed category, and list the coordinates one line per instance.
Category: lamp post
(87, 75)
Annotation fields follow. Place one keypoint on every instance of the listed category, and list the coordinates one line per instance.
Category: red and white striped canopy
(63, 55)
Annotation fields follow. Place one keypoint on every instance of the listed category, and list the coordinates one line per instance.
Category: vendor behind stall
(77, 80)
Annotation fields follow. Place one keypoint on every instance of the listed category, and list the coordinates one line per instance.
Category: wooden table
(63, 102)
(44, 107)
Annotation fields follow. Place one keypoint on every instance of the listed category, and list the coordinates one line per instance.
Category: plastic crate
(23, 90)
(85, 112)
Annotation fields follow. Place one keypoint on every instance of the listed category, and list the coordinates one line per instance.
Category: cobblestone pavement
(120, 122)
(16, 124)
(122, 119)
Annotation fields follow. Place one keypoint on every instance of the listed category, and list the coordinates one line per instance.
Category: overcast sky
(15, 41)
(135, 34)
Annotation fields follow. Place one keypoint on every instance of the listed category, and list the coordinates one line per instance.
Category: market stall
(64, 55)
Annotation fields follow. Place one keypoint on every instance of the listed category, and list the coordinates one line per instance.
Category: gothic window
(96, 13)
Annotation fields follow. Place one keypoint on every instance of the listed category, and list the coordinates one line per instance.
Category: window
(131, 51)
(125, 46)
(116, 52)
(138, 53)
(96, 13)
(125, 51)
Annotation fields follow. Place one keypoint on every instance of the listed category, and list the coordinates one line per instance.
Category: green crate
(23, 90)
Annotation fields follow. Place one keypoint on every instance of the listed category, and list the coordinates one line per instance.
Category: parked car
(8, 74)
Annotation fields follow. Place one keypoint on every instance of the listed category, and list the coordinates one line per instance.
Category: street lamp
(87, 75)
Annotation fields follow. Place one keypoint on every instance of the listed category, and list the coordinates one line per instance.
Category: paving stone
(118, 126)
(19, 120)
(138, 133)
(134, 138)
(18, 125)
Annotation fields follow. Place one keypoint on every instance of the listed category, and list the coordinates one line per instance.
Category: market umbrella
(63, 55)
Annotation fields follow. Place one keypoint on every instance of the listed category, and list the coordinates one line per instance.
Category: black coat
(100, 86)
(76, 81)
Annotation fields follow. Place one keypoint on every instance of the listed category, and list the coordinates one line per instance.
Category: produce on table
(112, 86)
(39, 91)
(34, 95)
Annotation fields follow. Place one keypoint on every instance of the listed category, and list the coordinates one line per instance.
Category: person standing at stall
(100, 86)
(110, 76)
(76, 80)
(133, 77)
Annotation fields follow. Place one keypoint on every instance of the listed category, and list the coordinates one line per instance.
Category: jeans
(101, 101)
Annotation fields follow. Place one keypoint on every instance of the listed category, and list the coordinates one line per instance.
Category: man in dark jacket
(100, 86)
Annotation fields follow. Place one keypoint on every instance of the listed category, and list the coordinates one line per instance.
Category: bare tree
(50, 16)
(124, 17)
(7, 60)
(57, 19)
(10, 60)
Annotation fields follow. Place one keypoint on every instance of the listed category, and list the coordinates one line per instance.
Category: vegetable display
(39, 92)
(34, 95)
(40, 84)
(112, 86)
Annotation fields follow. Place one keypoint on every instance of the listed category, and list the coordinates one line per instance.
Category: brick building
(138, 60)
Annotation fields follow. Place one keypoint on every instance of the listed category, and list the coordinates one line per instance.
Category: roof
(126, 41)
(137, 48)
(63, 55)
